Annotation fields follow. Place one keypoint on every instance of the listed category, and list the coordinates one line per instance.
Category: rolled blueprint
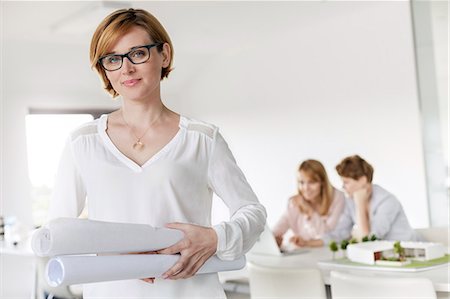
(67, 270)
(80, 236)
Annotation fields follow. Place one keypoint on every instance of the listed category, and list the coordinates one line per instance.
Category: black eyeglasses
(137, 55)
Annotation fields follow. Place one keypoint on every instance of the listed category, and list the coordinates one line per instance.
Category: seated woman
(314, 210)
(369, 209)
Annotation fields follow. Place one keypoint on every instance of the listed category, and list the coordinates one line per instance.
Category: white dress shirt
(175, 185)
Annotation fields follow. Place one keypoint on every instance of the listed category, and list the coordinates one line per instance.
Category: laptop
(267, 245)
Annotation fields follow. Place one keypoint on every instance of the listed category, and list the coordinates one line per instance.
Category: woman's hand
(297, 240)
(198, 245)
(279, 240)
(149, 279)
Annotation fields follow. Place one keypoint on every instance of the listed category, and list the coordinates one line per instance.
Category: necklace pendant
(138, 145)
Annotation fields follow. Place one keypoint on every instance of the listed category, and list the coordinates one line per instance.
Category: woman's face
(351, 185)
(138, 81)
(309, 188)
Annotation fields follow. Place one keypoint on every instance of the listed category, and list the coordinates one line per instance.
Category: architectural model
(372, 252)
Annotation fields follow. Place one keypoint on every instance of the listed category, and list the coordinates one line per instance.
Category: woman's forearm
(314, 243)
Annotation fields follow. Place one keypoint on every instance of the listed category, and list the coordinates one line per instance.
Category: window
(47, 132)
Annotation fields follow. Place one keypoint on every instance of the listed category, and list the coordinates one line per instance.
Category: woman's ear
(166, 55)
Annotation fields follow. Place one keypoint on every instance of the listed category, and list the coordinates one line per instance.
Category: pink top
(316, 225)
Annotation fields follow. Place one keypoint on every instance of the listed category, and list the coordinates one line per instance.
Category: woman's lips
(131, 82)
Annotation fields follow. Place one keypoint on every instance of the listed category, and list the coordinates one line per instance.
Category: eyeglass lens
(136, 56)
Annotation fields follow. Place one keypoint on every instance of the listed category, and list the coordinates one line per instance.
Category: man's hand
(361, 198)
(198, 245)
(362, 195)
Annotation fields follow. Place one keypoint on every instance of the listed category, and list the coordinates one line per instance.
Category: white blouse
(175, 185)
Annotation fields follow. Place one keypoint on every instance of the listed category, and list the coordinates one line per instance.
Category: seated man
(369, 209)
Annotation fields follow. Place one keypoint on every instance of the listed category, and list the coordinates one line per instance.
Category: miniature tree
(373, 237)
(399, 250)
(333, 247)
(365, 239)
(353, 241)
(344, 245)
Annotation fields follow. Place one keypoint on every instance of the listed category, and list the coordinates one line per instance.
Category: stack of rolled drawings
(85, 251)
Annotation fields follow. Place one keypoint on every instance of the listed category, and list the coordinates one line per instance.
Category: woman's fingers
(198, 245)
(188, 267)
(149, 280)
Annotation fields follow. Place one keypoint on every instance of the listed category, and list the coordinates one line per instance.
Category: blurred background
(284, 81)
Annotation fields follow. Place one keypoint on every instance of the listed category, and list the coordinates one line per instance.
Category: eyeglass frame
(126, 55)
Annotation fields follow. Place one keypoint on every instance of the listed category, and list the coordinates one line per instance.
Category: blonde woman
(314, 211)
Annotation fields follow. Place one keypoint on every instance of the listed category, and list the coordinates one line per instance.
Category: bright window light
(46, 137)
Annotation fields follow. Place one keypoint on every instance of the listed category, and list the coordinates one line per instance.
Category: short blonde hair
(115, 26)
(316, 172)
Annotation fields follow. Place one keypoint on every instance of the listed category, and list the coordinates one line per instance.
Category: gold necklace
(139, 145)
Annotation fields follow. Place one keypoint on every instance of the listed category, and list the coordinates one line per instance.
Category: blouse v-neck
(103, 126)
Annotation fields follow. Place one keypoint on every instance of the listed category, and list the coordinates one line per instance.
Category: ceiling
(74, 22)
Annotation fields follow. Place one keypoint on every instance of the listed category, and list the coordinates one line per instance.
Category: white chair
(346, 286)
(268, 282)
(435, 234)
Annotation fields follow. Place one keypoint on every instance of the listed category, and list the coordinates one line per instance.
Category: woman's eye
(137, 54)
(113, 59)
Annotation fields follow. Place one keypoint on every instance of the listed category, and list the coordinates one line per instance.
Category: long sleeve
(69, 194)
(381, 221)
(248, 216)
(343, 228)
(388, 221)
(282, 226)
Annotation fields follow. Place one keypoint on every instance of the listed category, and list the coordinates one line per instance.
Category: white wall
(284, 81)
(320, 80)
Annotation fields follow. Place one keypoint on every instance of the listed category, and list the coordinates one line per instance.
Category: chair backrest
(270, 282)
(435, 234)
(348, 286)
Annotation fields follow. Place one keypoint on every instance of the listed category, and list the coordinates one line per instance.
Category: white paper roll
(79, 236)
(67, 270)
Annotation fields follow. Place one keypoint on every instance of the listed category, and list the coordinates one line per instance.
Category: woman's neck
(138, 114)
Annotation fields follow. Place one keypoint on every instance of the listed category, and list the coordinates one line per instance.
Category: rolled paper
(68, 270)
(82, 236)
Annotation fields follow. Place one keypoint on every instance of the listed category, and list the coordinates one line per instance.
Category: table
(439, 276)
(22, 250)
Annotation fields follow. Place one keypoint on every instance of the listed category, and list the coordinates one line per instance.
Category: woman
(369, 209)
(314, 211)
(147, 164)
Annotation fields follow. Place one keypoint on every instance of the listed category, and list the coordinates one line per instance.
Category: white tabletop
(21, 249)
(439, 276)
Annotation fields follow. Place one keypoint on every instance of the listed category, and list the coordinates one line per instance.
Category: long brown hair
(315, 171)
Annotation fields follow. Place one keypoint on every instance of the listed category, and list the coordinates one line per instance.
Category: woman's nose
(127, 66)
